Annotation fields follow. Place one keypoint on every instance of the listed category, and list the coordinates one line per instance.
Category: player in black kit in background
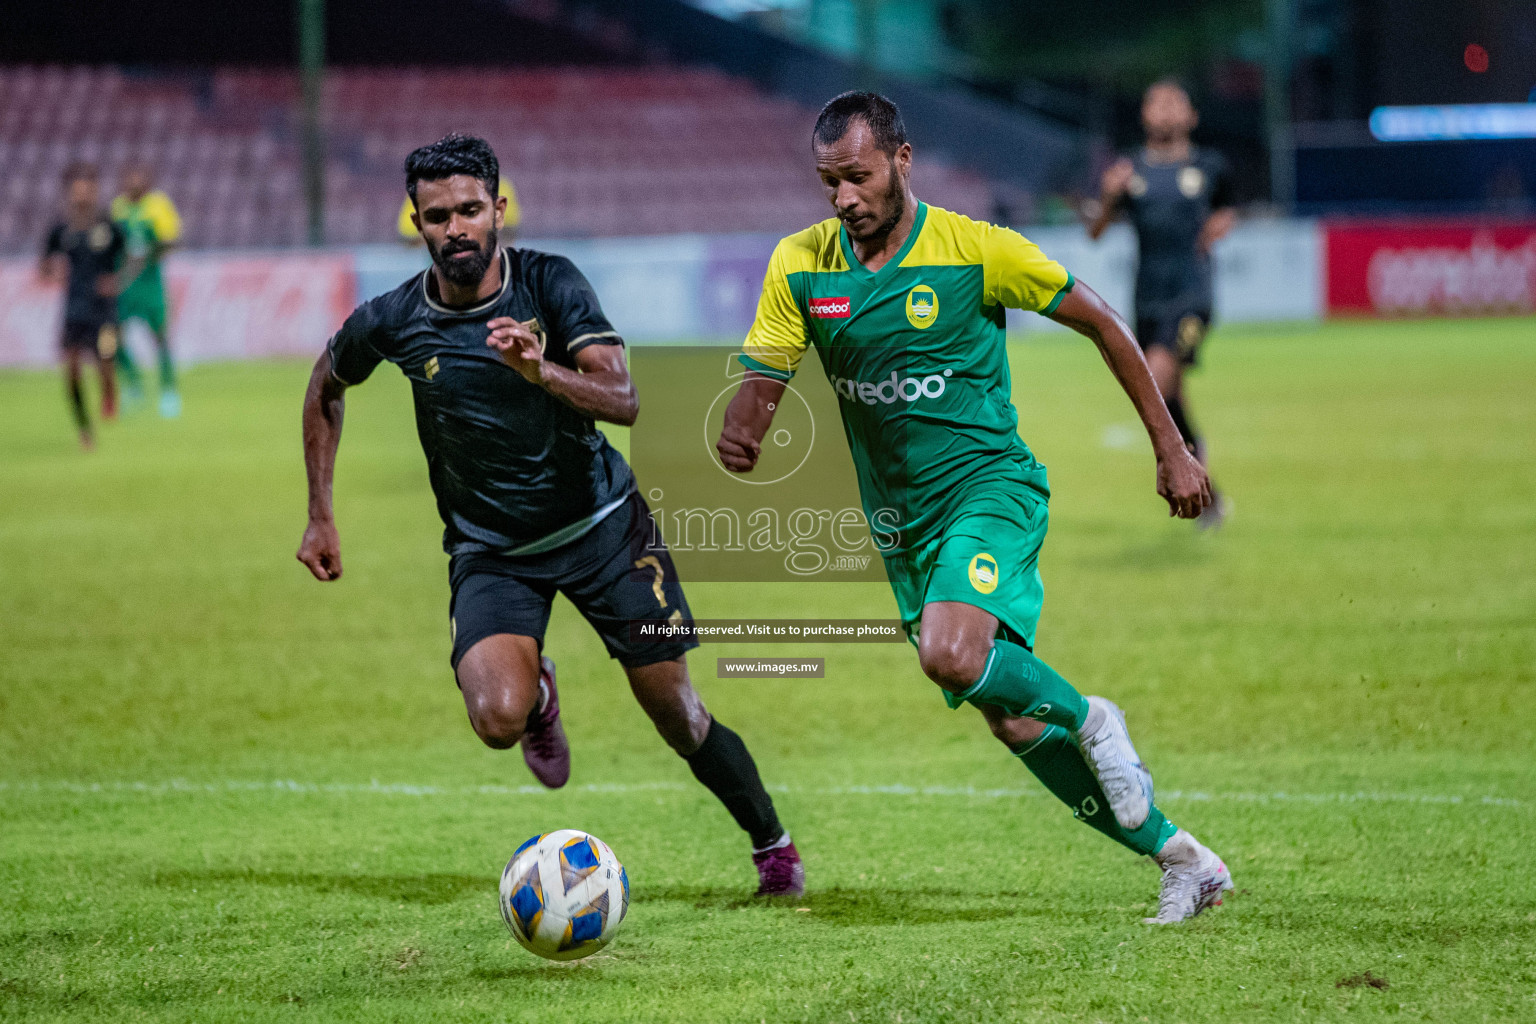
(82, 253)
(1179, 200)
(511, 361)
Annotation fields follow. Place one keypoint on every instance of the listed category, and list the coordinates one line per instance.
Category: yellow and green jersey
(917, 354)
(149, 225)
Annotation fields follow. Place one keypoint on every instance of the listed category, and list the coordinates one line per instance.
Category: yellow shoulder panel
(947, 240)
(814, 250)
(161, 213)
(514, 210)
(1019, 275)
(403, 222)
(778, 337)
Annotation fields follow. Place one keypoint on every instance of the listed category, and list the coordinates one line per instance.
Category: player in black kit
(511, 361)
(82, 253)
(1179, 200)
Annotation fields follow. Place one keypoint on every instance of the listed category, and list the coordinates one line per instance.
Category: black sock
(1181, 420)
(725, 767)
(77, 404)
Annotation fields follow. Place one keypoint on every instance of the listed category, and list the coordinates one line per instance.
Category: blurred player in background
(904, 303)
(1179, 199)
(151, 227)
(82, 253)
(512, 362)
(406, 222)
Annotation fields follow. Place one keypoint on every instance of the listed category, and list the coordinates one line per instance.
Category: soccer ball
(564, 894)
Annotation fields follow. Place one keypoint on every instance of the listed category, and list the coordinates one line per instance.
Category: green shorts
(988, 556)
(143, 302)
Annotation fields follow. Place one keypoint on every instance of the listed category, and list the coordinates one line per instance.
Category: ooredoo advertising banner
(1431, 269)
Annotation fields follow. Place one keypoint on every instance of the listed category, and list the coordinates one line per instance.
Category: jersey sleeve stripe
(1056, 301)
(763, 368)
(594, 338)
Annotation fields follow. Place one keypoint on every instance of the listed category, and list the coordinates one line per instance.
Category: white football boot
(1194, 878)
(1114, 762)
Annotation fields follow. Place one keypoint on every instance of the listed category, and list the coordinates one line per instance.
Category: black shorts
(1180, 334)
(617, 573)
(99, 339)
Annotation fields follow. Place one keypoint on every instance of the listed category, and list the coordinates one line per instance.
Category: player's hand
(738, 450)
(519, 347)
(320, 550)
(1183, 483)
(1117, 178)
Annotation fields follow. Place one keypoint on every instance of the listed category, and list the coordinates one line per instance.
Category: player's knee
(1013, 731)
(497, 713)
(951, 662)
(498, 722)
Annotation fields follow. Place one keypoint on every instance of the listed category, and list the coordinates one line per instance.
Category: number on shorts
(654, 564)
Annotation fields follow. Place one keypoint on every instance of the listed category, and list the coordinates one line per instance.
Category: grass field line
(280, 786)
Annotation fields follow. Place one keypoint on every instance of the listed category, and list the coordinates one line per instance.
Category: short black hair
(453, 154)
(877, 112)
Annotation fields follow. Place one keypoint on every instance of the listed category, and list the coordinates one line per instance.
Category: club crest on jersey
(836, 308)
(537, 330)
(984, 573)
(922, 307)
(1191, 181)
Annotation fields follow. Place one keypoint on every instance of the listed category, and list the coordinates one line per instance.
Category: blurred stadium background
(227, 793)
(1384, 150)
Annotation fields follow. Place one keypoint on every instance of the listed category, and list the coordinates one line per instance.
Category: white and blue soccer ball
(564, 894)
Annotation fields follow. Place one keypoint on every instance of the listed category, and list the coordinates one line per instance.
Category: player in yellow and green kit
(903, 303)
(152, 226)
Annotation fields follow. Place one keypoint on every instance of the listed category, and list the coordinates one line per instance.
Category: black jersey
(91, 252)
(513, 467)
(1168, 205)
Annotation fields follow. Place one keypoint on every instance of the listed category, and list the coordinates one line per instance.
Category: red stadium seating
(591, 152)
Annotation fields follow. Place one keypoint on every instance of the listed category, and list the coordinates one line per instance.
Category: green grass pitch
(230, 793)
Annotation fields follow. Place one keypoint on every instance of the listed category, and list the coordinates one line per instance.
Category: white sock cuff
(778, 844)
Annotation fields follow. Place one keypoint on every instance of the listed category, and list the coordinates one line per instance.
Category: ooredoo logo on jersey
(835, 308)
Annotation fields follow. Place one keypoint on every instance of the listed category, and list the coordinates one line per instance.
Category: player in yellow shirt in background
(411, 236)
(152, 227)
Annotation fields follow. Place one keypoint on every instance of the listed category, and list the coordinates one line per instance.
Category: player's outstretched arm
(1111, 188)
(324, 404)
(599, 387)
(1217, 226)
(1181, 480)
(747, 420)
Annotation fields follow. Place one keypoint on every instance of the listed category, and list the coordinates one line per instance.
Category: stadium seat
(591, 151)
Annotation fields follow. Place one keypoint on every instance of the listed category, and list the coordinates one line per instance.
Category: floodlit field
(228, 792)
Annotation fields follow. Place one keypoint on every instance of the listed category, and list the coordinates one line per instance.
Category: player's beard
(467, 271)
(896, 204)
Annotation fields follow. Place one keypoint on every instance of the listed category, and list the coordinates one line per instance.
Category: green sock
(127, 368)
(1055, 761)
(1021, 684)
(167, 369)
